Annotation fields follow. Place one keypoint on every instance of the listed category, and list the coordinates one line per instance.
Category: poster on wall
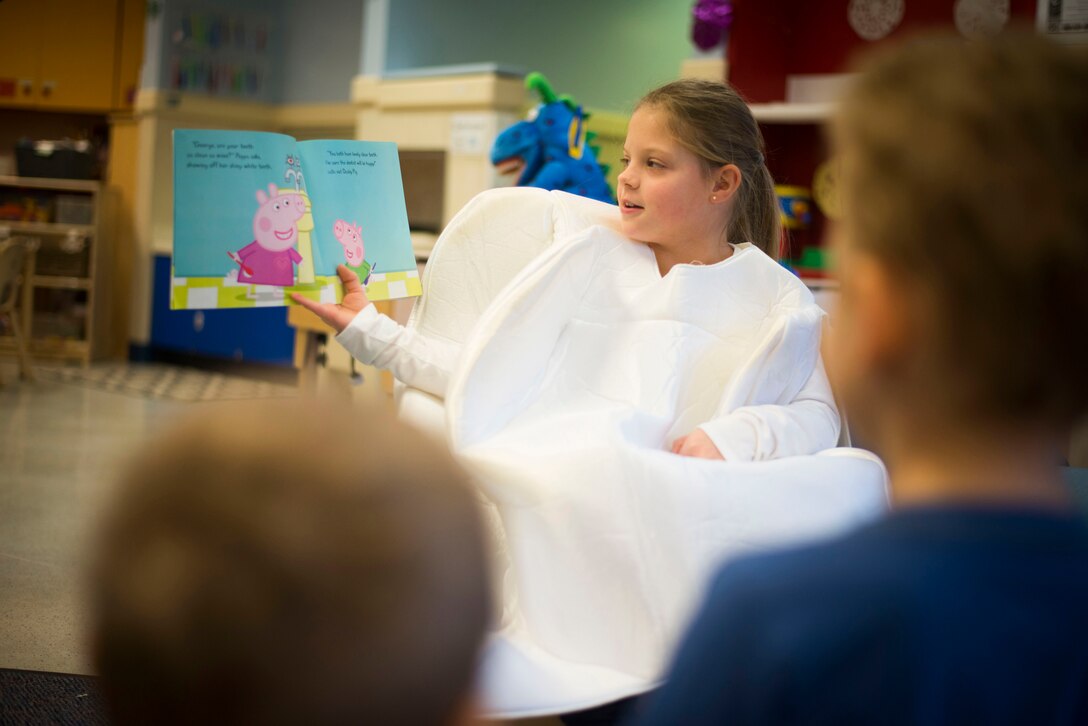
(220, 52)
(1065, 21)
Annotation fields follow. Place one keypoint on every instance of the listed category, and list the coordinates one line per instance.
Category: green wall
(605, 53)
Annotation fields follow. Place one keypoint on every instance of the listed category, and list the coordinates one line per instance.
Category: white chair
(14, 256)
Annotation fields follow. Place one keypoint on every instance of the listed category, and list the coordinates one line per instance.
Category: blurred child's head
(694, 167)
(290, 563)
(964, 245)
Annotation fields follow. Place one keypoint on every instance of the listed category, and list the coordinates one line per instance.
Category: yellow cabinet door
(78, 54)
(21, 25)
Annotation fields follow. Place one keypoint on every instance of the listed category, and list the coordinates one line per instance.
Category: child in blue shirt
(961, 355)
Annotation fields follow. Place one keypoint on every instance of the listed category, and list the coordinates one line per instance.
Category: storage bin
(59, 313)
(74, 209)
(58, 325)
(55, 159)
(51, 261)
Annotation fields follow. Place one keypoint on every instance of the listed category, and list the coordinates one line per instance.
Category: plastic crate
(54, 159)
(54, 262)
(74, 209)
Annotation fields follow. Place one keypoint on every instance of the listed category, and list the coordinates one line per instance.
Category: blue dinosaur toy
(551, 148)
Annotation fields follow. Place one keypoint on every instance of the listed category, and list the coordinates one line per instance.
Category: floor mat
(153, 380)
(36, 697)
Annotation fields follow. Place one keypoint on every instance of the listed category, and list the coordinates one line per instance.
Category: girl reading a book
(696, 192)
(597, 395)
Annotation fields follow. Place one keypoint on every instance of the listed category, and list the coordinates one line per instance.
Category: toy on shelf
(551, 148)
(795, 204)
(27, 209)
(11, 211)
(710, 22)
(812, 263)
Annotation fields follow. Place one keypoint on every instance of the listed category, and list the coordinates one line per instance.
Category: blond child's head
(964, 245)
(694, 168)
(261, 566)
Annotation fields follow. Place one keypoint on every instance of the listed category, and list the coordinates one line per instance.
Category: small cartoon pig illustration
(270, 258)
(351, 237)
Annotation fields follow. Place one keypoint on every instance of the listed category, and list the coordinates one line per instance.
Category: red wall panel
(771, 39)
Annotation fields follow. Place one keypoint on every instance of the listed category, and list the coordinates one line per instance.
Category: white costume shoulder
(751, 429)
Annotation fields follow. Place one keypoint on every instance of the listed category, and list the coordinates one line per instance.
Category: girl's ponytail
(755, 214)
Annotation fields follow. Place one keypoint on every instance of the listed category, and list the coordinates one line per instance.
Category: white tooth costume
(568, 365)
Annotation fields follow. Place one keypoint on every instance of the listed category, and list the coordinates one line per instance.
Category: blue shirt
(930, 616)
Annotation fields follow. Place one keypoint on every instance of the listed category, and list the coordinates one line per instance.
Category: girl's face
(664, 194)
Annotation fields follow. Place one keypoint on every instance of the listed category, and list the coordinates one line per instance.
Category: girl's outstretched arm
(377, 340)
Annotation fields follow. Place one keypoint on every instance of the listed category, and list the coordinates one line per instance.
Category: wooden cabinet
(73, 55)
(20, 58)
(130, 52)
(64, 318)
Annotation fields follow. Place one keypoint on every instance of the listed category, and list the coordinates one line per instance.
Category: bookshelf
(62, 315)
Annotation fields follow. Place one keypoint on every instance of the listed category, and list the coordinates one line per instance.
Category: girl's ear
(727, 180)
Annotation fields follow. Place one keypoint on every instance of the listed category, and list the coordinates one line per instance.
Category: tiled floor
(60, 449)
(60, 445)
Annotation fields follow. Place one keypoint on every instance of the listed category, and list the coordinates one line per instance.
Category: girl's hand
(338, 315)
(697, 444)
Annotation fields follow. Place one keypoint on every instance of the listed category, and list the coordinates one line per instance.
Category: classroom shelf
(56, 282)
(62, 315)
(54, 185)
(792, 59)
(820, 283)
(47, 228)
(792, 113)
(51, 347)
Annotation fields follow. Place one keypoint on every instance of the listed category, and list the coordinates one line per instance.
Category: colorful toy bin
(795, 203)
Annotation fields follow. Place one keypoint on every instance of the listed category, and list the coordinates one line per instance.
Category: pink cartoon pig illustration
(270, 258)
(351, 237)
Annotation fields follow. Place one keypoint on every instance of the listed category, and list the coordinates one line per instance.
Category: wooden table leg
(26, 364)
(307, 345)
(385, 307)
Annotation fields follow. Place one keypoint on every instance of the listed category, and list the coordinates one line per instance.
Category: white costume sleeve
(808, 424)
(420, 362)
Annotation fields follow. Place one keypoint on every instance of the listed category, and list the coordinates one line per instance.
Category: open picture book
(258, 216)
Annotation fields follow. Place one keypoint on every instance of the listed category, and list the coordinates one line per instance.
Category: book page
(218, 179)
(241, 221)
(359, 214)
